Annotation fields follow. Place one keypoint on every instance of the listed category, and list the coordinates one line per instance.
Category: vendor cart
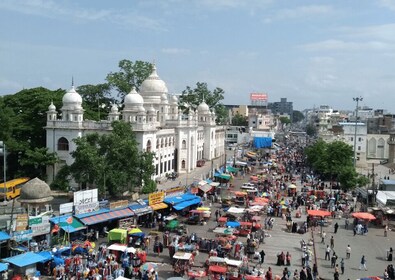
(182, 262)
(244, 229)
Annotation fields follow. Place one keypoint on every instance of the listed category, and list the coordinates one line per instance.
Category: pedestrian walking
(333, 260)
(216, 215)
(332, 242)
(346, 223)
(348, 251)
(262, 254)
(363, 263)
(336, 227)
(342, 265)
(327, 252)
(385, 231)
(323, 235)
(315, 271)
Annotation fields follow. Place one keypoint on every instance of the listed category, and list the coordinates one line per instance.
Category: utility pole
(357, 99)
(373, 186)
(4, 153)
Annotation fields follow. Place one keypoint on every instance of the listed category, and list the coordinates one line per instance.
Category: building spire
(72, 81)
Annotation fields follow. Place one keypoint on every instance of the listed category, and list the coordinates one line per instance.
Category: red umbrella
(318, 213)
(363, 216)
(217, 269)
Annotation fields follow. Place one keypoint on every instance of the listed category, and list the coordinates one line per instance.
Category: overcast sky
(311, 52)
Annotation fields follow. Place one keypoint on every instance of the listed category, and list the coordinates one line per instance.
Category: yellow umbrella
(203, 208)
(135, 230)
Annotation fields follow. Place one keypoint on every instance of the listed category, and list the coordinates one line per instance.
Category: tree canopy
(130, 74)
(239, 120)
(111, 162)
(334, 161)
(297, 116)
(192, 97)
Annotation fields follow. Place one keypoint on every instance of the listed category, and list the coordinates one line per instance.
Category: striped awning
(111, 215)
(159, 206)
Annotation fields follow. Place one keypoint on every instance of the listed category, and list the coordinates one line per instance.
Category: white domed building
(178, 140)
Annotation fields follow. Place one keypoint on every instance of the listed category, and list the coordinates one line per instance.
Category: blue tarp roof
(187, 203)
(135, 206)
(262, 142)
(25, 259)
(232, 224)
(178, 199)
(45, 254)
(4, 236)
(3, 267)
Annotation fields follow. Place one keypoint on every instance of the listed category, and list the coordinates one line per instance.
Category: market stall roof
(185, 204)
(363, 216)
(25, 259)
(214, 259)
(3, 267)
(319, 213)
(222, 176)
(178, 199)
(205, 188)
(234, 210)
(215, 184)
(202, 183)
(4, 236)
(159, 206)
(292, 186)
(45, 254)
(217, 269)
(232, 169)
(227, 231)
(237, 193)
(121, 248)
(110, 215)
(140, 209)
(232, 224)
(182, 255)
(118, 234)
(233, 262)
(100, 211)
(222, 219)
(73, 227)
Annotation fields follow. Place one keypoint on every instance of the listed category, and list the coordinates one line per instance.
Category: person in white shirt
(348, 251)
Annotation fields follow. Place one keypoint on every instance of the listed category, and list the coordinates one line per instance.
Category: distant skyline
(310, 52)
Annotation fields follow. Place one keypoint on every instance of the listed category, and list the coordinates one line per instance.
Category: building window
(352, 139)
(359, 139)
(149, 146)
(184, 144)
(359, 148)
(183, 164)
(157, 144)
(161, 143)
(165, 142)
(63, 144)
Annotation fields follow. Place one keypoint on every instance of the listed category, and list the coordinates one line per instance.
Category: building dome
(163, 98)
(72, 99)
(35, 191)
(151, 110)
(153, 85)
(52, 107)
(114, 108)
(133, 98)
(174, 100)
(141, 109)
(203, 108)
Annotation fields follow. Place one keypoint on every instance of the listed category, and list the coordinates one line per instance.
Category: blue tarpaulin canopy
(25, 259)
(185, 204)
(45, 254)
(4, 236)
(178, 199)
(262, 142)
(3, 267)
(232, 224)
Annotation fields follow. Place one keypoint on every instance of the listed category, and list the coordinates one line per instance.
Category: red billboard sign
(258, 96)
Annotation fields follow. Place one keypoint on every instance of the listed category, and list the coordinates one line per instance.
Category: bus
(12, 188)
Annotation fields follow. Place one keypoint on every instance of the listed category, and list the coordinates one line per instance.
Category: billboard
(255, 96)
(86, 201)
(40, 225)
(157, 197)
(66, 208)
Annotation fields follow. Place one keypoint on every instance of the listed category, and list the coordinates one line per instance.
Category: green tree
(130, 74)
(297, 116)
(192, 97)
(284, 121)
(37, 161)
(239, 120)
(311, 130)
(111, 162)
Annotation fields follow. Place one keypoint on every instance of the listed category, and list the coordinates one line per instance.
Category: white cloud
(382, 32)
(175, 51)
(54, 10)
(390, 4)
(340, 45)
(300, 12)
(8, 86)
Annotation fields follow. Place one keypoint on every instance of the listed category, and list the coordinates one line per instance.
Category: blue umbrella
(232, 224)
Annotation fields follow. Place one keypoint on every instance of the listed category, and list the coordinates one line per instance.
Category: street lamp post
(4, 153)
(357, 99)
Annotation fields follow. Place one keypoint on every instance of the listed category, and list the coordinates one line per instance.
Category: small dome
(163, 98)
(51, 107)
(72, 98)
(151, 110)
(174, 100)
(114, 108)
(153, 84)
(35, 191)
(133, 98)
(141, 109)
(203, 107)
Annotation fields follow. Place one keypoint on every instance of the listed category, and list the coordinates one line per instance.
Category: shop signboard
(23, 235)
(21, 222)
(155, 198)
(86, 201)
(119, 204)
(40, 225)
(65, 208)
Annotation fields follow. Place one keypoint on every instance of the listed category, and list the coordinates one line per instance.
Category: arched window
(161, 143)
(157, 143)
(174, 141)
(149, 146)
(183, 164)
(165, 142)
(63, 144)
(212, 135)
(184, 144)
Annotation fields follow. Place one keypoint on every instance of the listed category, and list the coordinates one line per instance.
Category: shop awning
(45, 254)
(232, 169)
(202, 183)
(3, 267)
(217, 269)
(111, 215)
(214, 184)
(159, 206)
(222, 176)
(140, 209)
(185, 204)
(205, 188)
(25, 259)
(178, 199)
(70, 228)
(4, 236)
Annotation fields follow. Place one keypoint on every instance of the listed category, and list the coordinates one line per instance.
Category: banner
(22, 221)
(177, 191)
(66, 208)
(23, 235)
(86, 208)
(119, 204)
(40, 225)
(155, 198)
(86, 201)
